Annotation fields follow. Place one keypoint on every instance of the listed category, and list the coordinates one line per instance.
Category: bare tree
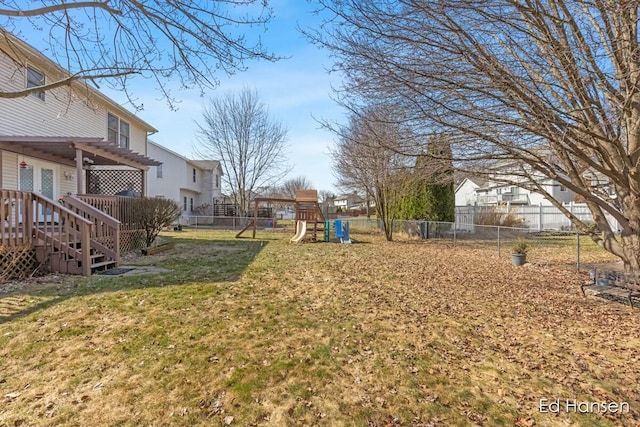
(290, 186)
(548, 88)
(113, 40)
(250, 145)
(327, 198)
(153, 214)
(363, 159)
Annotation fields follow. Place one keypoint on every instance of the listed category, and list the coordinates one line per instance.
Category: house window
(117, 131)
(217, 181)
(194, 175)
(184, 204)
(191, 203)
(563, 188)
(159, 171)
(124, 134)
(34, 79)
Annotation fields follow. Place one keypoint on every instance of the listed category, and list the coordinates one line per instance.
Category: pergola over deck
(72, 151)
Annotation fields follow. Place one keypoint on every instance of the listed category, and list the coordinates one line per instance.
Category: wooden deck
(75, 238)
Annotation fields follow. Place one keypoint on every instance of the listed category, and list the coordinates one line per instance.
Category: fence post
(578, 251)
(474, 212)
(540, 216)
(570, 210)
(454, 234)
(498, 241)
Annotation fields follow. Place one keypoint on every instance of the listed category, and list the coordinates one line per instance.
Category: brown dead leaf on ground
(374, 333)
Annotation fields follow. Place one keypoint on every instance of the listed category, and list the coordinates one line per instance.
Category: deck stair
(71, 237)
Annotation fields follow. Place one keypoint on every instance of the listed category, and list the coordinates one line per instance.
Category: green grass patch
(375, 333)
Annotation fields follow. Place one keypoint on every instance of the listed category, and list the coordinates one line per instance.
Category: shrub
(152, 214)
(493, 216)
(520, 247)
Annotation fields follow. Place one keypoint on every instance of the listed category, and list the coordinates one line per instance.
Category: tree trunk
(631, 252)
(629, 240)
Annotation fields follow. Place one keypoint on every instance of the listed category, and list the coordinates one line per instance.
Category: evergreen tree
(440, 192)
(431, 195)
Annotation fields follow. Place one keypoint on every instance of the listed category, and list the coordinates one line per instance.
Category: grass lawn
(261, 332)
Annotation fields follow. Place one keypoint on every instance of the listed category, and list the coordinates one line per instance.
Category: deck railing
(65, 233)
(119, 207)
(105, 232)
(15, 232)
(123, 209)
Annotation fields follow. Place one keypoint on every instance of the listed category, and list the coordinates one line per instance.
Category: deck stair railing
(105, 230)
(72, 238)
(62, 236)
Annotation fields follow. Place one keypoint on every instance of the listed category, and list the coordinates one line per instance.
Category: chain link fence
(226, 222)
(550, 247)
(543, 246)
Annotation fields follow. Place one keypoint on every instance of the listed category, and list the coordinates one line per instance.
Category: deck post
(79, 174)
(85, 238)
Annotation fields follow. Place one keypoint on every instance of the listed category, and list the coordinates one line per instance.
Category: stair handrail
(96, 216)
(70, 227)
(14, 231)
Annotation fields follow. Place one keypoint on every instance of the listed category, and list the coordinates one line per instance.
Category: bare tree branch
(551, 88)
(183, 42)
(237, 130)
(289, 187)
(362, 161)
(60, 7)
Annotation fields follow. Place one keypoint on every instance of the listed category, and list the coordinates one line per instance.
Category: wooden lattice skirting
(131, 240)
(17, 262)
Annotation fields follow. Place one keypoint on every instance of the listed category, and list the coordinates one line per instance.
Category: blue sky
(297, 91)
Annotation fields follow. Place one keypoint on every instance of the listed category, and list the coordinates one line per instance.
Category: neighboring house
(68, 141)
(485, 192)
(191, 183)
(345, 202)
(466, 192)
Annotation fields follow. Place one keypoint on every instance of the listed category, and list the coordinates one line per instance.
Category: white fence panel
(535, 217)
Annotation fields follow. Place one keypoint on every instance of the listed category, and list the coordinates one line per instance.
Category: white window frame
(30, 82)
(119, 135)
(159, 171)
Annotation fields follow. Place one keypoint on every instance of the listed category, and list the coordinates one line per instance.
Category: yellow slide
(301, 230)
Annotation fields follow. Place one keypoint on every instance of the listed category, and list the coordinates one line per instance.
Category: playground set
(308, 217)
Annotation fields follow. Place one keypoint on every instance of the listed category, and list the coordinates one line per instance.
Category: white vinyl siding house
(466, 192)
(55, 150)
(348, 201)
(191, 183)
(34, 79)
(72, 112)
(490, 193)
